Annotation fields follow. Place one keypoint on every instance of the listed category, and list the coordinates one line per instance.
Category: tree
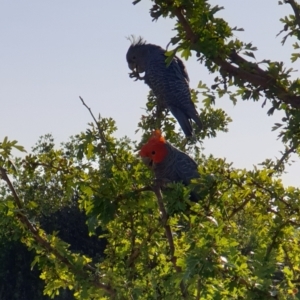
(241, 241)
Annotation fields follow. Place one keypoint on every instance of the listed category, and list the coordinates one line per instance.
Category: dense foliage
(241, 241)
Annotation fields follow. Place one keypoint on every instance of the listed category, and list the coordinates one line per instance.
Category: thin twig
(284, 156)
(101, 135)
(100, 131)
(164, 218)
(273, 195)
(239, 208)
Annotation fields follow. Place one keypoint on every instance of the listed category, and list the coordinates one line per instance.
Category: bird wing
(186, 167)
(180, 68)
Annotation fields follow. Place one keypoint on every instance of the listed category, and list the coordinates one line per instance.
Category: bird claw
(132, 74)
(136, 75)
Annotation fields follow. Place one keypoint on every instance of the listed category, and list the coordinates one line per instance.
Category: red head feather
(155, 148)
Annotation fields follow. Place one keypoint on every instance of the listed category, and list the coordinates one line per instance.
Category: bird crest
(156, 136)
(136, 41)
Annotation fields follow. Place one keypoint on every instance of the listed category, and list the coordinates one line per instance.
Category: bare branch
(101, 134)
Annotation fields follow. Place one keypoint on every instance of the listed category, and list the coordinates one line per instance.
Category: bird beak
(132, 67)
(147, 161)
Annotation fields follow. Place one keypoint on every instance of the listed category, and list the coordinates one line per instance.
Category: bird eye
(133, 57)
(153, 152)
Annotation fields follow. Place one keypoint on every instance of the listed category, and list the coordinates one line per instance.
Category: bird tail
(183, 121)
(195, 117)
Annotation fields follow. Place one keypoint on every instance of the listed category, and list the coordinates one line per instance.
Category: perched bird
(167, 162)
(170, 84)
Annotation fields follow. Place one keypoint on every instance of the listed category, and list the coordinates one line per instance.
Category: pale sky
(53, 51)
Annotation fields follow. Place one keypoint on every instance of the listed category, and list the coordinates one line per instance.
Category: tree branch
(246, 71)
(280, 199)
(199, 283)
(284, 156)
(296, 9)
(164, 218)
(274, 240)
(44, 243)
(101, 134)
(239, 208)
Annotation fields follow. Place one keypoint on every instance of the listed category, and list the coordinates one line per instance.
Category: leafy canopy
(241, 241)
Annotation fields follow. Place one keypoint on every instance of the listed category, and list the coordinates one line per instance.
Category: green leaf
(249, 54)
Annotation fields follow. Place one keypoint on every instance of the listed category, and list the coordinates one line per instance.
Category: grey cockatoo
(170, 84)
(168, 162)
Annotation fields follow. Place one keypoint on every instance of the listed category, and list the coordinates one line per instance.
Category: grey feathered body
(177, 166)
